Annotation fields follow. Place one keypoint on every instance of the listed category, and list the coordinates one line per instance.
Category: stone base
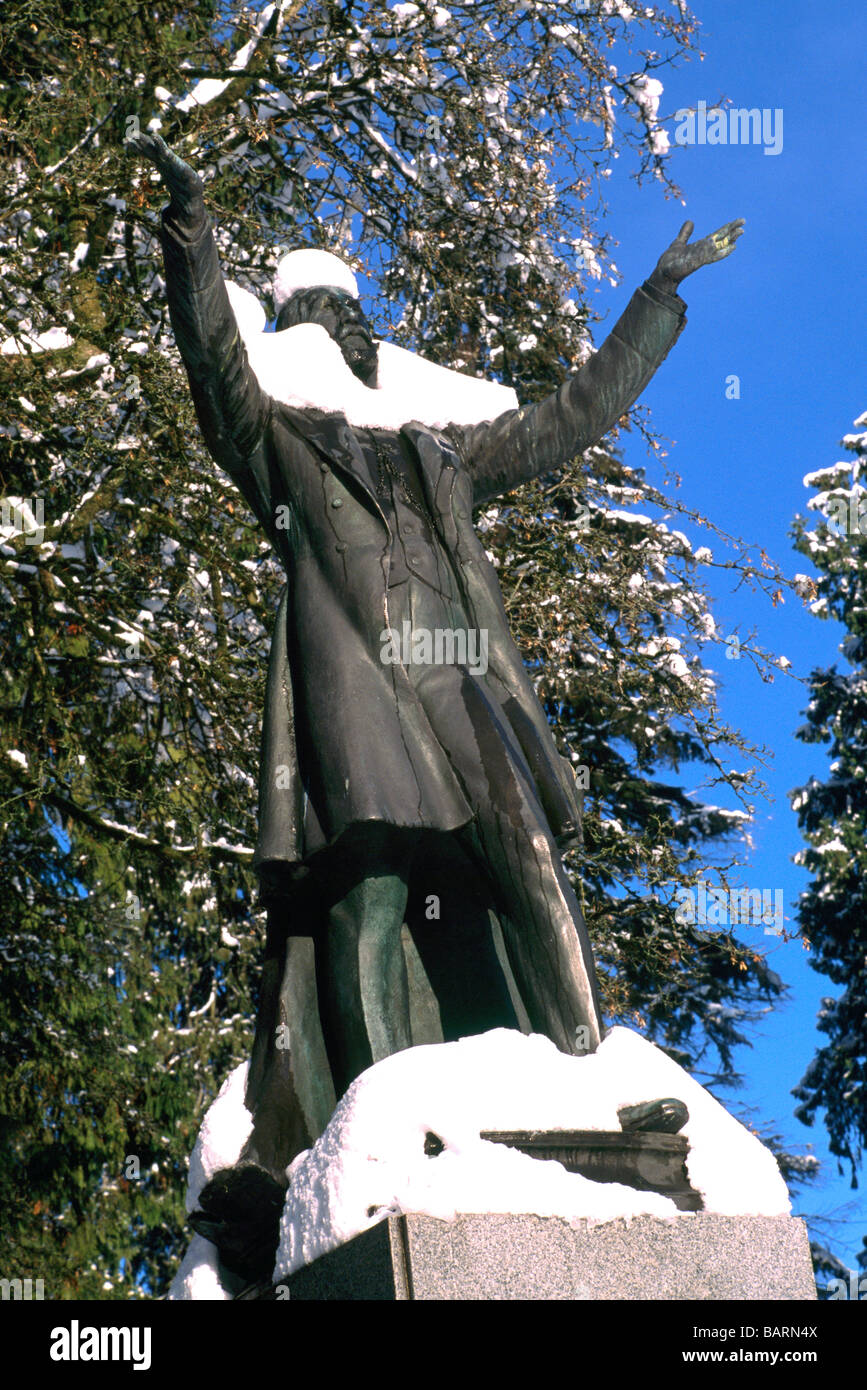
(494, 1258)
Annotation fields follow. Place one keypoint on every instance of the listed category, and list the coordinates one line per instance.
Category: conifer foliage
(832, 813)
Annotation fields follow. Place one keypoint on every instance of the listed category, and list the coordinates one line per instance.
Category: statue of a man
(386, 786)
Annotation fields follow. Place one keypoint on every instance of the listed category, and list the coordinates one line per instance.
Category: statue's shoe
(654, 1117)
(239, 1212)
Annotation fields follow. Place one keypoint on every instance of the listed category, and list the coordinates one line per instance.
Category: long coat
(344, 737)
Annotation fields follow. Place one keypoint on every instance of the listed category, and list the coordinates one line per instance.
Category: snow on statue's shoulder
(303, 367)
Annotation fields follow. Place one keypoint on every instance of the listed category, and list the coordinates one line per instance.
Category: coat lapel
(438, 469)
(333, 438)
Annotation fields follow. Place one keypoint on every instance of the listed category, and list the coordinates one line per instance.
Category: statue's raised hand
(184, 185)
(684, 256)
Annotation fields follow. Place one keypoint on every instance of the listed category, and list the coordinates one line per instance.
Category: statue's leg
(361, 968)
(289, 1092)
(354, 903)
(511, 842)
(543, 931)
(449, 916)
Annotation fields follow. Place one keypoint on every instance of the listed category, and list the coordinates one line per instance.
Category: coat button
(337, 501)
(340, 547)
(323, 467)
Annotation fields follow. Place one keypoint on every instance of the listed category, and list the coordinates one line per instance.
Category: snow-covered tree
(832, 813)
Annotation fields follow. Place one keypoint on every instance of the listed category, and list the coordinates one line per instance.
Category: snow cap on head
(304, 270)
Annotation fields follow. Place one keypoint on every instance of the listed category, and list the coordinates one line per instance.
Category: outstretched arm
(230, 404)
(521, 444)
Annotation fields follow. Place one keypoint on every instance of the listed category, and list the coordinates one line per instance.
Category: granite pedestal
(694, 1255)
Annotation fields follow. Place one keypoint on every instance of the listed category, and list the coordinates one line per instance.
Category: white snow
(821, 476)
(225, 1130)
(304, 367)
(198, 1278)
(50, 341)
(633, 518)
(307, 269)
(372, 1154)
(371, 1157)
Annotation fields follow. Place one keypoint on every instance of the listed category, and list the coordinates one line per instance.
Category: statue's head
(316, 287)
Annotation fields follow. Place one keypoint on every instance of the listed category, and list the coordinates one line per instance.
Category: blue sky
(785, 313)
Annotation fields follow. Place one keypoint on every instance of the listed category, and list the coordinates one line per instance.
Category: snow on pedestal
(198, 1278)
(371, 1158)
(371, 1162)
(224, 1132)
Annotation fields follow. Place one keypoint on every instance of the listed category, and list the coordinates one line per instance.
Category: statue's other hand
(184, 185)
(683, 256)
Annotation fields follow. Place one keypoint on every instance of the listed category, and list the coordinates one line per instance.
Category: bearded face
(343, 320)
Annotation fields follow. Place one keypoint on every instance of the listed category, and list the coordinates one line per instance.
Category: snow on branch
(209, 88)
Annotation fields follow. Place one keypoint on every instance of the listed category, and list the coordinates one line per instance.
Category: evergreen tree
(832, 814)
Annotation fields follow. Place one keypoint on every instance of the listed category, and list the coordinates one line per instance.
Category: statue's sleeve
(521, 444)
(232, 408)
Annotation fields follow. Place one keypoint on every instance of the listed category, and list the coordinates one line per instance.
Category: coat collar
(335, 439)
(338, 442)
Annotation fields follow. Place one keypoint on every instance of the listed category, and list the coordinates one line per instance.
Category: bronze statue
(385, 786)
